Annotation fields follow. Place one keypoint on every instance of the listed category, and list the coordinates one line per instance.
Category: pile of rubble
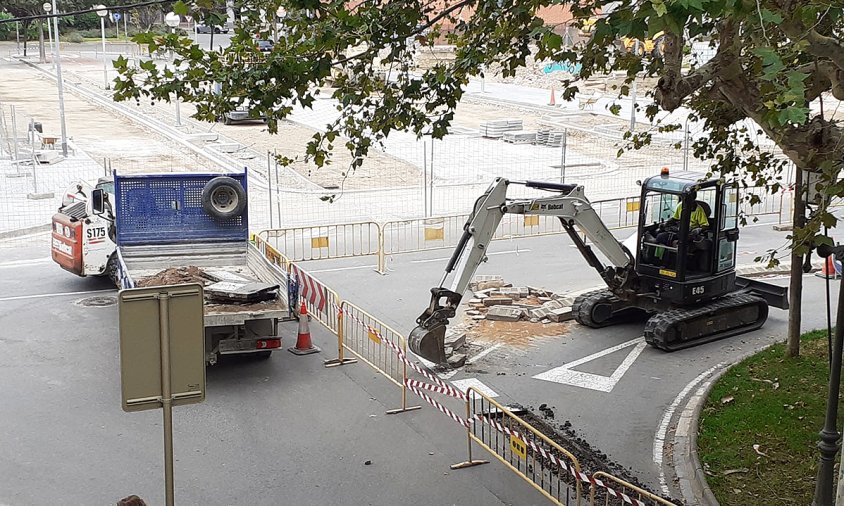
(499, 301)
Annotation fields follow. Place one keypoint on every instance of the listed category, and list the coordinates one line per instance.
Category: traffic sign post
(162, 365)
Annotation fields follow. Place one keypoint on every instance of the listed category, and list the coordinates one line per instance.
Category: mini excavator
(679, 275)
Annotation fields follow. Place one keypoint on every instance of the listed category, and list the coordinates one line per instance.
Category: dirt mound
(176, 276)
(591, 459)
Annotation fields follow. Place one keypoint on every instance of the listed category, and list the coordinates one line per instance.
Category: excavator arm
(569, 205)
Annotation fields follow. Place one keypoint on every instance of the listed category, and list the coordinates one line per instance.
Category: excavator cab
(688, 228)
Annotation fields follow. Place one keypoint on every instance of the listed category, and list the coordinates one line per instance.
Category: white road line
(484, 353)
(565, 375)
(659, 438)
(445, 259)
(59, 294)
(464, 384)
(350, 268)
(23, 263)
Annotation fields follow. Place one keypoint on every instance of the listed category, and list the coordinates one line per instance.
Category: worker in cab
(698, 223)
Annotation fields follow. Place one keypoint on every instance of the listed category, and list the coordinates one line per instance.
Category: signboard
(115, 16)
(161, 325)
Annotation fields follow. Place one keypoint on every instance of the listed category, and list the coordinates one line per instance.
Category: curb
(25, 231)
(691, 479)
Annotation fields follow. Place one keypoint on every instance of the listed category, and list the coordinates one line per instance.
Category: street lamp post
(828, 444)
(102, 12)
(172, 20)
(58, 60)
(47, 8)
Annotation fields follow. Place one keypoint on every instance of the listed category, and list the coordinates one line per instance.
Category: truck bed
(188, 263)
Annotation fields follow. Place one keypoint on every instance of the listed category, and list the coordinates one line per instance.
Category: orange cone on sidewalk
(304, 346)
(553, 100)
(828, 269)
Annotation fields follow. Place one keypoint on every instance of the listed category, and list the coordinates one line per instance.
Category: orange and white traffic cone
(304, 346)
(553, 100)
(828, 269)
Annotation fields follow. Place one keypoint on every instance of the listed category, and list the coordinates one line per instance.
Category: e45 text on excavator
(680, 276)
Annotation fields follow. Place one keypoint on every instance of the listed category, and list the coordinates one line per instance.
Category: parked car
(264, 46)
(200, 28)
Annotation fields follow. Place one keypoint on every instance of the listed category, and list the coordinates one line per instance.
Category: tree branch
(819, 45)
(672, 89)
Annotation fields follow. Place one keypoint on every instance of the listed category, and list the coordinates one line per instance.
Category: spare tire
(224, 197)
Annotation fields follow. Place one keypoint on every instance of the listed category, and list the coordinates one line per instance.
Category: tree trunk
(42, 53)
(795, 288)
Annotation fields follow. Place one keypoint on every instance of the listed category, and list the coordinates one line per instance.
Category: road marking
(444, 259)
(464, 384)
(659, 438)
(350, 268)
(484, 353)
(59, 294)
(23, 263)
(565, 375)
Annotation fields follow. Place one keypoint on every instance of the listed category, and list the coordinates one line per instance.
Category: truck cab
(83, 242)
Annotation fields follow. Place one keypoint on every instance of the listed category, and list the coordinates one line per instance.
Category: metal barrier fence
(526, 451)
(547, 466)
(362, 335)
(624, 493)
(329, 241)
(422, 234)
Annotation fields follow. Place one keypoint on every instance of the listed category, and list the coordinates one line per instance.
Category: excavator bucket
(429, 343)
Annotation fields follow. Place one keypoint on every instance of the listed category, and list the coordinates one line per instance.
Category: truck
(677, 273)
(176, 228)
(82, 242)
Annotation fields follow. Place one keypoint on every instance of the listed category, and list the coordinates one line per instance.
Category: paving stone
(498, 301)
(457, 360)
(561, 315)
(504, 314)
(540, 313)
(456, 340)
(552, 304)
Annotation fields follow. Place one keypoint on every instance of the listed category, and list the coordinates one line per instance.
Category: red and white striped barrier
(311, 289)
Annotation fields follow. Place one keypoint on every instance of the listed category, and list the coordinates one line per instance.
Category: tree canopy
(772, 60)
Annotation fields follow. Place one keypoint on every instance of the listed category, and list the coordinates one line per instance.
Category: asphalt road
(280, 431)
(578, 366)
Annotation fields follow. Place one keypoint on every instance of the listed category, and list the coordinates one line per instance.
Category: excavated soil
(176, 276)
(591, 459)
(521, 333)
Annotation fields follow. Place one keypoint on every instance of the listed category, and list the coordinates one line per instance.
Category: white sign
(47, 6)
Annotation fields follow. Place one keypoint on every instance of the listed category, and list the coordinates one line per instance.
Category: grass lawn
(777, 404)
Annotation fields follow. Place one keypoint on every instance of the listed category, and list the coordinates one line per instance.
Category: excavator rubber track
(602, 308)
(681, 328)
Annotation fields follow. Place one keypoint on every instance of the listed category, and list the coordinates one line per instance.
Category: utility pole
(58, 59)
(633, 93)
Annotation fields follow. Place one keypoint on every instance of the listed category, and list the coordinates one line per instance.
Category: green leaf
(659, 8)
(180, 8)
(771, 17)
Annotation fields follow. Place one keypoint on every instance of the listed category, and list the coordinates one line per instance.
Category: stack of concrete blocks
(496, 300)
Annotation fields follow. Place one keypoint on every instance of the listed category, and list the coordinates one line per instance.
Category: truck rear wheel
(111, 270)
(223, 197)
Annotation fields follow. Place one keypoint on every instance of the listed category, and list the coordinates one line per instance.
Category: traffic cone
(553, 100)
(828, 269)
(304, 346)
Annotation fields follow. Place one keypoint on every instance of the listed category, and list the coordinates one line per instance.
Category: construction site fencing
(35, 174)
(363, 336)
(326, 241)
(547, 466)
(544, 464)
(422, 234)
